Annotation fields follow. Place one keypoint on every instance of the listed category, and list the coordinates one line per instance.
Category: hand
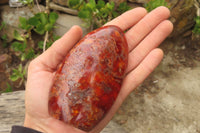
(145, 33)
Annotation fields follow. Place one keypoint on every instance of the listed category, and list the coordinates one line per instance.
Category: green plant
(40, 22)
(9, 88)
(18, 73)
(75, 4)
(196, 29)
(123, 7)
(3, 25)
(4, 37)
(26, 48)
(95, 14)
(152, 4)
(20, 46)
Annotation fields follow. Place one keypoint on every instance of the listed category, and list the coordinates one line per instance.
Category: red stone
(89, 80)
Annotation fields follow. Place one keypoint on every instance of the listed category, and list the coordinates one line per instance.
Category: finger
(145, 26)
(56, 53)
(138, 75)
(150, 42)
(129, 18)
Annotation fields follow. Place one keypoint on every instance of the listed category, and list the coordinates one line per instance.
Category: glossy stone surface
(89, 80)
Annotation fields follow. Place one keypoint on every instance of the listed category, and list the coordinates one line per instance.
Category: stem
(45, 41)
(92, 25)
(47, 33)
(37, 3)
(47, 6)
(31, 5)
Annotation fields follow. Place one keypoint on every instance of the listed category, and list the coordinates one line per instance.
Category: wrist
(49, 125)
(35, 124)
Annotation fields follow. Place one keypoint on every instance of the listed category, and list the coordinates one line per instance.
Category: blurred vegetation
(152, 4)
(24, 46)
(95, 14)
(19, 74)
(196, 29)
(40, 23)
(9, 88)
(4, 36)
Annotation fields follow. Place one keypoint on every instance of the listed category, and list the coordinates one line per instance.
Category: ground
(168, 100)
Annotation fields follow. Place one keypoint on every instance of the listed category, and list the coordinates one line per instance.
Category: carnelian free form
(89, 79)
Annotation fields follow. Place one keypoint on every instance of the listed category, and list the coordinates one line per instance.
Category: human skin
(144, 33)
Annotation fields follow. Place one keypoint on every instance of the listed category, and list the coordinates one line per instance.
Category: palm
(145, 33)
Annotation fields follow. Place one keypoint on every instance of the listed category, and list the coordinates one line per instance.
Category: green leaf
(152, 4)
(91, 5)
(17, 36)
(9, 88)
(33, 21)
(20, 68)
(123, 7)
(55, 37)
(40, 29)
(75, 4)
(38, 15)
(84, 14)
(3, 24)
(4, 37)
(17, 46)
(100, 4)
(104, 12)
(53, 17)
(49, 44)
(15, 75)
(110, 6)
(40, 44)
(28, 27)
(30, 54)
(23, 22)
(48, 27)
(23, 56)
(197, 19)
(115, 14)
(43, 18)
(92, 2)
(196, 29)
(24, 72)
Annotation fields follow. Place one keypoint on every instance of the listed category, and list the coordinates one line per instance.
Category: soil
(168, 100)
